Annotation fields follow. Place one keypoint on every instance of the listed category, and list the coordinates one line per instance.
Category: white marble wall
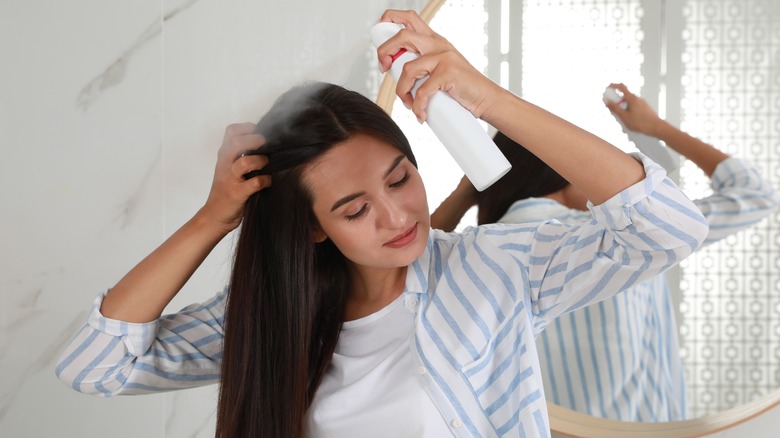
(111, 114)
(110, 117)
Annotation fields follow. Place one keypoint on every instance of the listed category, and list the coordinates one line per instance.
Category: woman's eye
(401, 181)
(352, 217)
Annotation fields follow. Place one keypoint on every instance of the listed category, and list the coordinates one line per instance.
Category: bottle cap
(614, 95)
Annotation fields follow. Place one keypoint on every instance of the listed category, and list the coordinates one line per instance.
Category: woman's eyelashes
(352, 217)
(364, 208)
(401, 181)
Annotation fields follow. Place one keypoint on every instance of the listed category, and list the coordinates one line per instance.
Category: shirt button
(411, 304)
(422, 370)
(457, 423)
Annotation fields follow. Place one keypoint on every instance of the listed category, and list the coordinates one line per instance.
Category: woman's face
(370, 201)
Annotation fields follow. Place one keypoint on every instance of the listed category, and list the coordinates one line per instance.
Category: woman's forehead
(346, 166)
(355, 153)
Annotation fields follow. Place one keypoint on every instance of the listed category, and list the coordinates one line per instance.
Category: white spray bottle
(455, 126)
(649, 146)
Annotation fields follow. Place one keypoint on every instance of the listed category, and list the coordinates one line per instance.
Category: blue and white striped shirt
(620, 358)
(483, 296)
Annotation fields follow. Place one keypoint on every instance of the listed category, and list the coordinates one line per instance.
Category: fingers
(239, 151)
(412, 72)
(620, 87)
(614, 107)
(240, 138)
(409, 19)
(412, 41)
(405, 39)
(617, 108)
(239, 160)
(447, 70)
(246, 164)
(246, 169)
(628, 96)
(416, 37)
(255, 184)
(434, 51)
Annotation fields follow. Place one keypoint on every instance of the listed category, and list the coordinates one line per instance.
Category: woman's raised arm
(560, 144)
(142, 294)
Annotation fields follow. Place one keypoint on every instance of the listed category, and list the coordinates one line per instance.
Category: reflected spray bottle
(455, 126)
(649, 146)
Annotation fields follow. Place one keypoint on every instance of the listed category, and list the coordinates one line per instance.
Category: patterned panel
(572, 49)
(731, 97)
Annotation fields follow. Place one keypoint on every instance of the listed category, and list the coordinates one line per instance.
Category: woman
(346, 315)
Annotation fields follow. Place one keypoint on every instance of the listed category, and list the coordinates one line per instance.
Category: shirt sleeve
(741, 198)
(637, 234)
(182, 350)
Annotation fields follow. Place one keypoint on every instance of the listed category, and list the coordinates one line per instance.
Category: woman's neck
(373, 289)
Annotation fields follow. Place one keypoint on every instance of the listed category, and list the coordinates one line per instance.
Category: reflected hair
(287, 294)
(529, 177)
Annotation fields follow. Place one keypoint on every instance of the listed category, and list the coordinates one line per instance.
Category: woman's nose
(392, 213)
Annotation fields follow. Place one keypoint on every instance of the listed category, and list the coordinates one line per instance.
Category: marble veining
(130, 207)
(199, 425)
(44, 362)
(115, 72)
(26, 296)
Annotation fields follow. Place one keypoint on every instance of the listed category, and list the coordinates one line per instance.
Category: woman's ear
(319, 235)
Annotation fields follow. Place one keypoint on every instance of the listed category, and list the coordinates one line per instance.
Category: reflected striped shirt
(620, 358)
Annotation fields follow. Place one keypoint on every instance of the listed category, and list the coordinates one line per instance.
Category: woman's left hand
(449, 71)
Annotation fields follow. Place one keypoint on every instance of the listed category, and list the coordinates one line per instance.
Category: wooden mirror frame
(576, 424)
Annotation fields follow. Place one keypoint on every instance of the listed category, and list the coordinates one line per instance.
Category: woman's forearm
(705, 156)
(142, 294)
(598, 169)
(450, 212)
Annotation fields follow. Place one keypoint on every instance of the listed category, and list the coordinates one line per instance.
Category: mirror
(705, 66)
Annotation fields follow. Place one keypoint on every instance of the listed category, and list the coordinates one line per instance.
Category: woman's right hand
(638, 115)
(230, 190)
(447, 68)
(142, 294)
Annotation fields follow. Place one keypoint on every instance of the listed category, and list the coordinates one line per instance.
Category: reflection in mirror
(705, 65)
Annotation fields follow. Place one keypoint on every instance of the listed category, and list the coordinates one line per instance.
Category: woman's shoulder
(487, 238)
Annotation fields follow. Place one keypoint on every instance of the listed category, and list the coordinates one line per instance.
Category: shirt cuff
(616, 211)
(138, 337)
(729, 171)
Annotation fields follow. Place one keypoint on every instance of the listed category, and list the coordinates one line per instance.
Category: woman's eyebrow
(348, 198)
(397, 161)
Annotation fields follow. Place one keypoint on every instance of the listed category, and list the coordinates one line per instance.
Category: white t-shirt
(372, 387)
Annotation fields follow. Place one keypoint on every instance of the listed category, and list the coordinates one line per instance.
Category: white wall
(110, 119)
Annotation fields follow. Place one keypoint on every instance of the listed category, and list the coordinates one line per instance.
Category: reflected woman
(618, 359)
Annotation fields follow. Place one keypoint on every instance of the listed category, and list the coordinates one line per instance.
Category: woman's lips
(403, 239)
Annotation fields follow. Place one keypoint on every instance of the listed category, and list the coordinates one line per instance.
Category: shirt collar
(418, 272)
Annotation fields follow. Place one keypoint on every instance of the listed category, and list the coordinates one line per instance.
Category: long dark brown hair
(287, 294)
(529, 177)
